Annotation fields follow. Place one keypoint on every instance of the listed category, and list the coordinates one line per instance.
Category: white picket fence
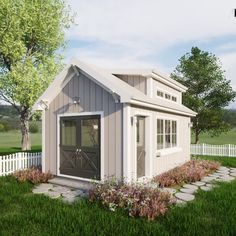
(17, 161)
(227, 150)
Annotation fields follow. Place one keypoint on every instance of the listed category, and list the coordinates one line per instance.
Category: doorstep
(72, 183)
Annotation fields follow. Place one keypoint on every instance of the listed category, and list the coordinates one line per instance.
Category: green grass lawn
(22, 213)
(224, 138)
(11, 141)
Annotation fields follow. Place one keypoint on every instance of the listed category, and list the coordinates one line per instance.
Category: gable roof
(111, 83)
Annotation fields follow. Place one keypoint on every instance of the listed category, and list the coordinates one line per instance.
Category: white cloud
(152, 24)
(129, 31)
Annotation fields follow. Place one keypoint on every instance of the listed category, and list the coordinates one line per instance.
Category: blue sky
(152, 33)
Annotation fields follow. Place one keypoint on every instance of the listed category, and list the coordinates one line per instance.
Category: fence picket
(21, 160)
(228, 150)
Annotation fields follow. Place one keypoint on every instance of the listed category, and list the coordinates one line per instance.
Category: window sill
(168, 151)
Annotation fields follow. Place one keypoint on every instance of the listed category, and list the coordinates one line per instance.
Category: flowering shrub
(33, 175)
(137, 200)
(191, 171)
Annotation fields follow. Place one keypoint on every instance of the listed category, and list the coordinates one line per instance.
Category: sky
(152, 33)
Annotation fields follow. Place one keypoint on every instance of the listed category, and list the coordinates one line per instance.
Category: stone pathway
(186, 193)
(67, 194)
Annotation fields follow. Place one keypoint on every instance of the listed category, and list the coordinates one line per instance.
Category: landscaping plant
(191, 171)
(137, 200)
(33, 175)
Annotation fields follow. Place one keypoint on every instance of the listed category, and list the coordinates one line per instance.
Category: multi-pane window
(167, 96)
(160, 93)
(173, 98)
(166, 133)
(160, 134)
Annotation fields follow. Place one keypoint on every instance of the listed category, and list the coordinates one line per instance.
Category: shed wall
(92, 98)
(137, 81)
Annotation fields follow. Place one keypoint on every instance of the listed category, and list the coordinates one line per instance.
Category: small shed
(99, 124)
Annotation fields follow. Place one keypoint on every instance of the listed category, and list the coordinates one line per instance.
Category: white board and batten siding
(93, 98)
(18, 161)
(227, 150)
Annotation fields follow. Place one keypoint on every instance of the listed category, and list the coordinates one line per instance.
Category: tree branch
(9, 101)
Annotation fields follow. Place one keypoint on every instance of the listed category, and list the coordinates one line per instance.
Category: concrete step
(72, 183)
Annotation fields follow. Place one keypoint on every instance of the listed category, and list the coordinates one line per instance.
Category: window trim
(164, 149)
(166, 93)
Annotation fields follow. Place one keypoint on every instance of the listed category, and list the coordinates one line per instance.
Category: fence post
(203, 149)
(20, 160)
(229, 146)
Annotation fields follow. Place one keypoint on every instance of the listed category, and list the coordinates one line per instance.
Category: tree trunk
(196, 136)
(24, 122)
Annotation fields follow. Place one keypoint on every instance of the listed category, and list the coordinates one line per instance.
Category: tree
(208, 90)
(31, 34)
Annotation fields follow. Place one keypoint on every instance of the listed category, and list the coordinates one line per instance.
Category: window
(166, 133)
(173, 98)
(160, 134)
(160, 93)
(167, 96)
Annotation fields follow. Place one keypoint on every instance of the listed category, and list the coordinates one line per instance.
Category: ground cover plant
(191, 171)
(136, 199)
(33, 175)
(24, 213)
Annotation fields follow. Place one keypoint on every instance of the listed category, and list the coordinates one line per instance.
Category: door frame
(102, 164)
(148, 145)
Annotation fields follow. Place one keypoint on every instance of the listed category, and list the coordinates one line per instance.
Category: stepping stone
(53, 194)
(208, 179)
(169, 190)
(226, 179)
(205, 188)
(185, 196)
(61, 189)
(223, 168)
(222, 172)
(213, 176)
(44, 186)
(40, 190)
(233, 174)
(77, 192)
(210, 185)
(190, 186)
(232, 169)
(198, 183)
(188, 190)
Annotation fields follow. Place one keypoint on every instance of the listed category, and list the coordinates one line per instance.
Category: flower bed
(191, 171)
(33, 175)
(137, 200)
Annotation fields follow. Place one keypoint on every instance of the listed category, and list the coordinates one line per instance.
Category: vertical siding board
(76, 92)
(81, 93)
(71, 94)
(99, 99)
(65, 92)
(92, 96)
(52, 128)
(87, 94)
(112, 136)
(106, 133)
(118, 140)
(47, 140)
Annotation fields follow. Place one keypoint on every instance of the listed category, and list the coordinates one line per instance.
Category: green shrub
(33, 128)
(4, 126)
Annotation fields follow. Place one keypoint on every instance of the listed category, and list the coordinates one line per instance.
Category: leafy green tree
(208, 90)
(31, 34)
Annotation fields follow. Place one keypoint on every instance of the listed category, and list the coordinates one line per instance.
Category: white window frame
(169, 150)
(168, 93)
(102, 158)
